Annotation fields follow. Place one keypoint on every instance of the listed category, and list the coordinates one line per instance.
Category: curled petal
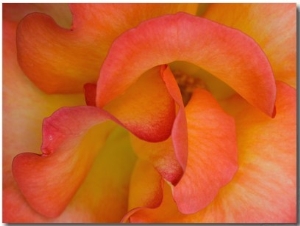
(165, 159)
(72, 138)
(169, 156)
(61, 60)
(68, 147)
(145, 186)
(161, 155)
(179, 130)
(146, 108)
(145, 189)
(15, 12)
(276, 35)
(65, 141)
(103, 195)
(264, 188)
(24, 107)
(224, 52)
(212, 153)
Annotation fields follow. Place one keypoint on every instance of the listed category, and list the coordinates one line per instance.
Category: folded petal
(224, 52)
(68, 147)
(161, 155)
(264, 188)
(167, 157)
(102, 196)
(212, 153)
(14, 12)
(276, 35)
(61, 60)
(145, 186)
(167, 212)
(145, 189)
(179, 130)
(24, 108)
(146, 108)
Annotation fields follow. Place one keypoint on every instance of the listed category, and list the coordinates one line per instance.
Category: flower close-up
(149, 113)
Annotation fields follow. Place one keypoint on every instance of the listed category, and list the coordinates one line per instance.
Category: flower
(180, 124)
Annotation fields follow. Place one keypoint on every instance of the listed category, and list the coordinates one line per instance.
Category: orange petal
(146, 108)
(224, 52)
(24, 107)
(179, 130)
(264, 188)
(145, 189)
(161, 155)
(145, 186)
(167, 212)
(103, 196)
(212, 153)
(276, 35)
(49, 178)
(58, 60)
(14, 12)
(168, 157)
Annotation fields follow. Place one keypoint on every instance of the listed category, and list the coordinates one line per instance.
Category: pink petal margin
(224, 52)
(50, 178)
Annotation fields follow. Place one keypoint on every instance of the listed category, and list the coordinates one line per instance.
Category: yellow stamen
(187, 84)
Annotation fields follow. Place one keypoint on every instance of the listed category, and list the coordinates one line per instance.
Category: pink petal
(59, 60)
(146, 108)
(226, 53)
(145, 189)
(276, 35)
(212, 153)
(168, 157)
(264, 188)
(24, 107)
(50, 178)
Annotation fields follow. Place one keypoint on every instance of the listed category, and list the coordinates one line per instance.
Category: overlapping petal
(145, 188)
(146, 108)
(212, 153)
(66, 128)
(72, 159)
(144, 98)
(103, 196)
(68, 146)
(60, 60)
(24, 107)
(15, 12)
(272, 26)
(20, 112)
(264, 188)
(161, 155)
(214, 47)
(168, 157)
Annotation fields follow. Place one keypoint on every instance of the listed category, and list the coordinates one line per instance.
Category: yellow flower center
(189, 77)
(187, 84)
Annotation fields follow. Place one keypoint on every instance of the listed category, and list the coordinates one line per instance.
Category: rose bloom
(149, 113)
